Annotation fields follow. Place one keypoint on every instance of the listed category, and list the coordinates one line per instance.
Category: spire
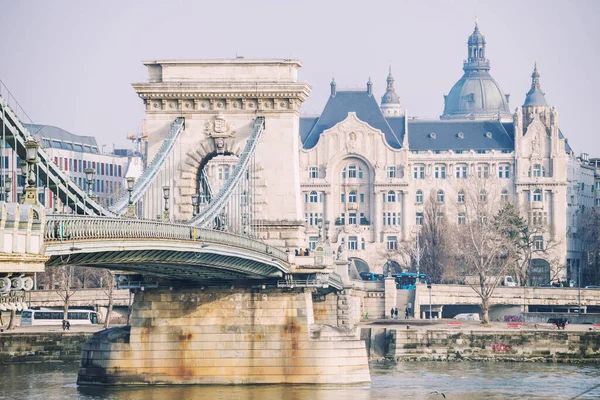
(535, 96)
(370, 87)
(333, 85)
(476, 62)
(390, 96)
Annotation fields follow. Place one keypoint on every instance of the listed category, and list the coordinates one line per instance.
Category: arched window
(483, 196)
(352, 171)
(344, 173)
(391, 197)
(537, 195)
(419, 197)
(352, 197)
(440, 196)
(313, 197)
(461, 197)
(504, 195)
(537, 171)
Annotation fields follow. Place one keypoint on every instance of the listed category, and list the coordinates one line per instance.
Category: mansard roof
(336, 110)
(460, 135)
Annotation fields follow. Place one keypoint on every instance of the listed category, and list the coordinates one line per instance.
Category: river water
(407, 380)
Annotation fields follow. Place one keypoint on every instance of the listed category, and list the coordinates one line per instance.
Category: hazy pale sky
(71, 63)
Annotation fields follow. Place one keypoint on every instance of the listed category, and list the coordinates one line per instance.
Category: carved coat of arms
(218, 127)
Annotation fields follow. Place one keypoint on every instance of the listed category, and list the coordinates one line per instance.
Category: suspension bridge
(220, 251)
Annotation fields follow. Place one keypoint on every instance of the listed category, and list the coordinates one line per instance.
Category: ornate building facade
(369, 168)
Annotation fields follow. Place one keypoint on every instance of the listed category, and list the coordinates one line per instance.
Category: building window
(362, 243)
(483, 196)
(352, 171)
(461, 171)
(419, 172)
(312, 242)
(313, 197)
(462, 218)
(343, 197)
(504, 195)
(537, 171)
(440, 196)
(440, 172)
(392, 243)
(391, 197)
(537, 195)
(352, 197)
(483, 171)
(342, 219)
(362, 197)
(391, 172)
(389, 218)
(419, 219)
(313, 172)
(419, 197)
(538, 243)
(504, 171)
(223, 172)
(461, 197)
(352, 243)
(352, 219)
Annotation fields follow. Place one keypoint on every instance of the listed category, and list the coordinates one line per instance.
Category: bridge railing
(61, 227)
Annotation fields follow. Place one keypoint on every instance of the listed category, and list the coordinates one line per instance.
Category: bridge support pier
(224, 336)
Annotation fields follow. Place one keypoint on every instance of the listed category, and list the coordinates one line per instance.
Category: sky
(71, 63)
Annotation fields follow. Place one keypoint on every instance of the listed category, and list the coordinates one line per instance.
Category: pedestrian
(409, 306)
(396, 312)
(302, 252)
(306, 252)
(68, 325)
(392, 312)
(64, 325)
(406, 313)
(297, 252)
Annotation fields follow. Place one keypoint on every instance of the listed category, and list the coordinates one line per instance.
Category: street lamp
(429, 287)
(7, 187)
(89, 177)
(31, 149)
(194, 204)
(130, 209)
(23, 165)
(166, 191)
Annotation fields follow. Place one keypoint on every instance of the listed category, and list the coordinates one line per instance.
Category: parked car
(468, 317)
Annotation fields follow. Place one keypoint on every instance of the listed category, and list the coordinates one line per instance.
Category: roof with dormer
(338, 106)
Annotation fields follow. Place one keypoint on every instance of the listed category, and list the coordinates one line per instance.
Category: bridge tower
(219, 100)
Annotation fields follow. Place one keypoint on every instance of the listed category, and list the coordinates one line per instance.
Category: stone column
(377, 218)
(405, 217)
(327, 216)
(390, 296)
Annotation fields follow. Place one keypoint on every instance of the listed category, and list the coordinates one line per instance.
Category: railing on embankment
(61, 227)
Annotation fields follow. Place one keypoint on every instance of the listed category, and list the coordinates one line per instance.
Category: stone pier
(224, 336)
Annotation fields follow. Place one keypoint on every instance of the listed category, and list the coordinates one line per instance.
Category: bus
(370, 276)
(53, 317)
(408, 280)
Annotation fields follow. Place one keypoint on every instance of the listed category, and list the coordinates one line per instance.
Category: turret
(390, 102)
(535, 101)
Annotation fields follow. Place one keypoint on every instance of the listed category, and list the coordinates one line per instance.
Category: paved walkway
(423, 324)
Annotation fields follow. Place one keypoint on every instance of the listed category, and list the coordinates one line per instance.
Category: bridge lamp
(166, 194)
(7, 187)
(31, 149)
(195, 204)
(23, 165)
(130, 181)
(89, 177)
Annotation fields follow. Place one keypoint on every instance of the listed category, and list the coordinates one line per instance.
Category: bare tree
(484, 235)
(590, 234)
(108, 285)
(62, 278)
(433, 238)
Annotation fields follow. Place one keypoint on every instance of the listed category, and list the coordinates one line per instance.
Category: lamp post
(130, 209)
(23, 165)
(429, 287)
(89, 177)
(31, 149)
(194, 204)
(166, 192)
(7, 187)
